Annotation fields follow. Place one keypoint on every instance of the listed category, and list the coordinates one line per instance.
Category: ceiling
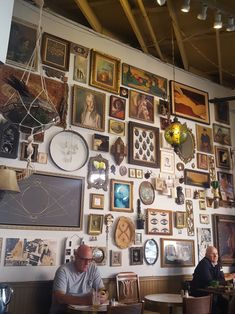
(160, 30)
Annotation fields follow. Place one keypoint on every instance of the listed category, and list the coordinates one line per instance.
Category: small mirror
(150, 251)
(98, 169)
(186, 150)
(99, 255)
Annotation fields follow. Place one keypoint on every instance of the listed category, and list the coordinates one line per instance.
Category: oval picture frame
(146, 193)
(151, 254)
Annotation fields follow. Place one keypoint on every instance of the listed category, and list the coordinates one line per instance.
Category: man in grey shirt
(75, 282)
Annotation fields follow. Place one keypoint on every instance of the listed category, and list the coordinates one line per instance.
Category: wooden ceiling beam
(177, 32)
(218, 47)
(127, 9)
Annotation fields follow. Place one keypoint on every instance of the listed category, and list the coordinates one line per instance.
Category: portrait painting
(88, 108)
(226, 185)
(196, 178)
(136, 255)
(180, 219)
(204, 139)
(95, 224)
(222, 134)
(222, 157)
(224, 236)
(202, 161)
(117, 107)
(22, 42)
(100, 142)
(222, 112)
(163, 107)
(121, 195)
(124, 92)
(189, 103)
(141, 106)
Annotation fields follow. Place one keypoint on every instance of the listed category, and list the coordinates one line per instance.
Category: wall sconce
(230, 26)
(176, 133)
(8, 181)
(218, 22)
(203, 14)
(161, 2)
(186, 6)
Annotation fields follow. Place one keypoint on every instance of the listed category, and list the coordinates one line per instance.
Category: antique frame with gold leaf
(95, 224)
(121, 197)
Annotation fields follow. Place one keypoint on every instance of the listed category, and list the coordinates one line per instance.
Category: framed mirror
(186, 150)
(99, 255)
(98, 169)
(151, 251)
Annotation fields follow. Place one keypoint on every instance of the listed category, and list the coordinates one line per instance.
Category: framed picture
(95, 224)
(209, 202)
(136, 255)
(204, 219)
(116, 127)
(163, 107)
(226, 185)
(222, 135)
(202, 161)
(180, 219)
(22, 42)
(201, 194)
(204, 239)
(138, 238)
(204, 139)
(88, 108)
(189, 103)
(46, 201)
(9, 140)
(121, 195)
(222, 112)
(159, 221)
(222, 157)
(124, 92)
(55, 52)
(115, 258)
(177, 253)
(144, 145)
(24, 154)
(117, 107)
(80, 67)
(164, 123)
(145, 81)
(167, 162)
(97, 201)
(42, 158)
(105, 71)
(100, 142)
(197, 178)
(132, 173)
(224, 235)
(202, 205)
(188, 193)
(139, 173)
(141, 106)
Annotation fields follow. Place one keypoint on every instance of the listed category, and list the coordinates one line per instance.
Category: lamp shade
(176, 133)
(8, 180)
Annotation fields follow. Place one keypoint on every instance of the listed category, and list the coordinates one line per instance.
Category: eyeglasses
(85, 260)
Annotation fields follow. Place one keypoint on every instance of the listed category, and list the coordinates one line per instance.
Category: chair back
(197, 305)
(134, 308)
(128, 287)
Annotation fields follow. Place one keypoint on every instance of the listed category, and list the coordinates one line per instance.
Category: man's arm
(63, 298)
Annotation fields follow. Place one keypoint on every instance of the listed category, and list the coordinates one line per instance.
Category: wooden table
(228, 292)
(167, 298)
(75, 309)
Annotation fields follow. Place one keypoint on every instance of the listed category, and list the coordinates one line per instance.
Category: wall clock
(69, 150)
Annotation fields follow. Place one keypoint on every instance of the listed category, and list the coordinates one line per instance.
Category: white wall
(5, 25)
(80, 35)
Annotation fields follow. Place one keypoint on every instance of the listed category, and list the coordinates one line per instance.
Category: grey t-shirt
(69, 281)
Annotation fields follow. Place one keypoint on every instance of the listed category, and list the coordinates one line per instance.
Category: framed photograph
(209, 202)
(222, 134)
(177, 253)
(95, 224)
(88, 108)
(105, 72)
(97, 201)
(141, 106)
(46, 201)
(100, 142)
(24, 154)
(132, 173)
(42, 158)
(136, 255)
(226, 185)
(115, 258)
(197, 178)
(117, 107)
(139, 173)
(201, 194)
(80, 68)
(180, 219)
(222, 112)
(22, 42)
(138, 238)
(9, 140)
(116, 127)
(224, 235)
(124, 92)
(143, 141)
(55, 52)
(202, 161)
(121, 196)
(159, 222)
(145, 81)
(167, 162)
(204, 239)
(222, 157)
(188, 193)
(204, 219)
(189, 103)
(202, 204)
(204, 139)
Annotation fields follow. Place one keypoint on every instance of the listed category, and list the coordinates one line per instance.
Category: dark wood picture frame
(150, 156)
(221, 134)
(141, 106)
(9, 140)
(222, 157)
(197, 178)
(226, 186)
(136, 255)
(117, 107)
(24, 155)
(222, 112)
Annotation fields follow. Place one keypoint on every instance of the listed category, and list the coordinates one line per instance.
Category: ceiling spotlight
(202, 16)
(161, 2)
(186, 6)
(231, 26)
(218, 23)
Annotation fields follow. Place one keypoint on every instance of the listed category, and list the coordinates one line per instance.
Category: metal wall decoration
(189, 218)
(98, 173)
(119, 150)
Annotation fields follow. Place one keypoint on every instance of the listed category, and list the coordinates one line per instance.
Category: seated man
(206, 271)
(75, 282)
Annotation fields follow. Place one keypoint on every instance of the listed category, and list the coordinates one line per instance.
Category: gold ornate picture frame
(95, 224)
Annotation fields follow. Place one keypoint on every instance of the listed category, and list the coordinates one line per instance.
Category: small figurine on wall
(180, 196)
(140, 217)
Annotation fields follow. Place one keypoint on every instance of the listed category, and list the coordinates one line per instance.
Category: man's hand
(103, 295)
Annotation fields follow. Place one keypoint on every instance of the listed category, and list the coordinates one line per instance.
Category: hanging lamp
(176, 133)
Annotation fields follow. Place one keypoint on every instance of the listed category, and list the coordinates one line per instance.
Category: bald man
(207, 270)
(75, 281)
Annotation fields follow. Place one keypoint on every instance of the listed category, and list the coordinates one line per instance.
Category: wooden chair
(134, 308)
(202, 305)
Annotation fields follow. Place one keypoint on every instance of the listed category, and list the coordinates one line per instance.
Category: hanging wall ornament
(119, 151)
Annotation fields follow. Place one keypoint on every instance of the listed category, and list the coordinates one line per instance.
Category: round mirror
(186, 150)
(150, 251)
(98, 255)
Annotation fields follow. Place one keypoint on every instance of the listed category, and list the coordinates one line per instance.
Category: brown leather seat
(200, 305)
(134, 308)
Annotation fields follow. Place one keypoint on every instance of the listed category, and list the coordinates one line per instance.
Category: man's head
(83, 257)
(212, 254)
(90, 102)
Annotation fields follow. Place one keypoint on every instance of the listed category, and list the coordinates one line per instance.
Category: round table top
(165, 298)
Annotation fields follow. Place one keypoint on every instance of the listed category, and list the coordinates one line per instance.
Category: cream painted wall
(80, 35)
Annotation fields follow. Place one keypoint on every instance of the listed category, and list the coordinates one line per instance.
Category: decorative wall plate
(124, 233)
(69, 150)
(146, 193)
